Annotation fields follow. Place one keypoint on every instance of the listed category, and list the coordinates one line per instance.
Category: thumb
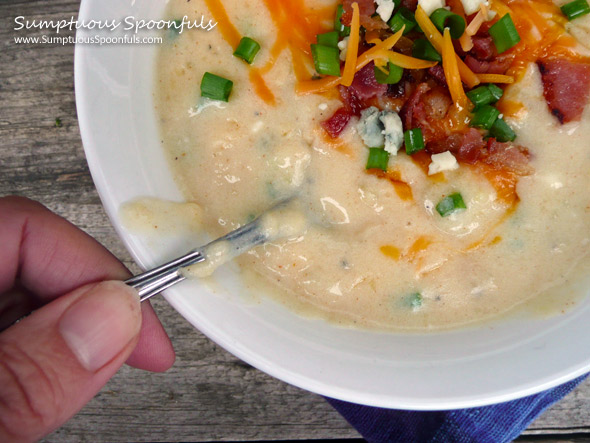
(54, 361)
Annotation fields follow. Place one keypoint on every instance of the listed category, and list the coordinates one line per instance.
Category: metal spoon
(271, 225)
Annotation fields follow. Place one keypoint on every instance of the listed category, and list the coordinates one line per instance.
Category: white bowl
(449, 370)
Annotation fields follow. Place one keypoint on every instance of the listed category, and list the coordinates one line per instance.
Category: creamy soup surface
(368, 257)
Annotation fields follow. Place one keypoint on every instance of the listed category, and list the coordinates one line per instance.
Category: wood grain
(208, 395)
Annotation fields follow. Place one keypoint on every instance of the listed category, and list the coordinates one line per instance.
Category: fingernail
(99, 325)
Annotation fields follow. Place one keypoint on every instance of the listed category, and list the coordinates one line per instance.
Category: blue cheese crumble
(381, 128)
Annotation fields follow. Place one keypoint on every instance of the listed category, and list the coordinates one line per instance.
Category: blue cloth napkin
(498, 423)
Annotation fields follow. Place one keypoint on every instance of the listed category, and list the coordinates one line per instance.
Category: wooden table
(208, 394)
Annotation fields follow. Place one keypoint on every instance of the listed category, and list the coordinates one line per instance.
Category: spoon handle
(153, 282)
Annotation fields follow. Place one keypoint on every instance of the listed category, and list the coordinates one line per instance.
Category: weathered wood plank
(208, 394)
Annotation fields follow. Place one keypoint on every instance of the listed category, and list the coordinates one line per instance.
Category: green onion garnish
(496, 91)
(393, 77)
(484, 117)
(402, 17)
(424, 50)
(329, 39)
(502, 132)
(344, 31)
(504, 34)
(485, 95)
(575, 9)
(378, 159)
(443, 18)
(414, 140)
(415, 300)
(326, 59)
(480, 96)
(215, 87)
(450, 204)
(247, 49)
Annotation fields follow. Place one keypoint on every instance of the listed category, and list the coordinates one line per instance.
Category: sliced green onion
(424, 50)
(502, 132)
(574, 9)
(378, 159)
(485, 95)
(215, 87)
(485, 117)
(415, 300)
(247, 49)
(402, 17)
(443, 18)
(504, 34)
(393, 77)
(450, 204)
(343, 30)
(480, 96)
(329, 39)
(326, 59)
(496, 91)
(414, 140)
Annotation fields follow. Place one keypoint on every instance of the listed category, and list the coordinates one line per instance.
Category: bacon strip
(508, 157)
(367, 9)
(365, 84)
(566, 87)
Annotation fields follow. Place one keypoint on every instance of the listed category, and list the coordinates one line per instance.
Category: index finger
(48, 256)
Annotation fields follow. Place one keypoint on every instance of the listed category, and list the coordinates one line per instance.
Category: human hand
(87, 325)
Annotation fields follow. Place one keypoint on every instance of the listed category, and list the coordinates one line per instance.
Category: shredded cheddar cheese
(386, 44)
(353, 47)
(327, 83)
(316, 86)
(466, 42)
(372, 37)
(452, 75)
(403, 61)
(480, 18)
(495, 78)
(436, 39)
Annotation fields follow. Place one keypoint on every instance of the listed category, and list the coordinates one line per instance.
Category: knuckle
(30, 398)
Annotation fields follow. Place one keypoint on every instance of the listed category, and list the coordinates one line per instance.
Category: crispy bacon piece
(483, 58)
(366, 9)
(467, 147)
(566, 87)
(497, 66)
(336, 124)
(438, 74)
(355, 98)
(483, 48)
(365, 85)
(410, 4)
(339, 120)
(413, 110)
(508, 157)
(437, 102)
(426, 108)
(351, 101)
(470, 147)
